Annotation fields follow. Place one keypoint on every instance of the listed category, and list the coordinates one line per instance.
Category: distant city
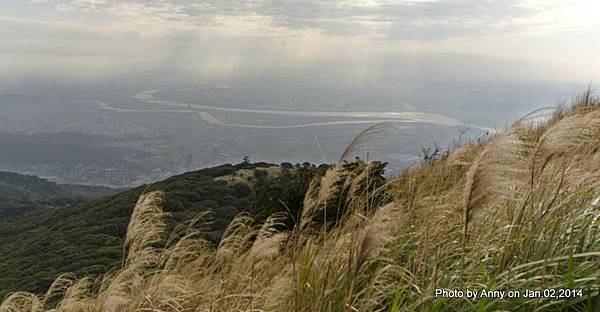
(140, 128)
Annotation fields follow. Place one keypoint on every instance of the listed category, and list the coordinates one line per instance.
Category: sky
(356, 40)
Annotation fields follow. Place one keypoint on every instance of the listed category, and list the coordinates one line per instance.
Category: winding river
(149, 97)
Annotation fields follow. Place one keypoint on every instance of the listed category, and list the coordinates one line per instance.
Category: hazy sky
(486, 39)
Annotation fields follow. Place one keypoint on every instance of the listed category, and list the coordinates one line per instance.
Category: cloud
(360, 37)
(395, 20)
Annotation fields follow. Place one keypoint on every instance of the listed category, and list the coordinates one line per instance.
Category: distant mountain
(79, 158)
(70, 148)
(22, 194)
(87, 238)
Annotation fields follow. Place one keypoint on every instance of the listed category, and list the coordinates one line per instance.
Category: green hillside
(87, 238)
(22, 194)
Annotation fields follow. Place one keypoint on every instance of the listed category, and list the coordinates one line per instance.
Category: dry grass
(497, 178)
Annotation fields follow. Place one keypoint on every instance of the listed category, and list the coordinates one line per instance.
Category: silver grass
(188, 248)
(359, 141)
(77, 297)
(378, 232)
(236, 238)
(319, 195)
(59, 287)
(166, 291)
(575, 137)
(145, 230)
(146, 226)
(361, 189)
(22, 302)
(457, 155)
(496, 176)
(190, 245)
(269, 238)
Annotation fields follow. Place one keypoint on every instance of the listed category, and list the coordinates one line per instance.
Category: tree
(283, 193)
